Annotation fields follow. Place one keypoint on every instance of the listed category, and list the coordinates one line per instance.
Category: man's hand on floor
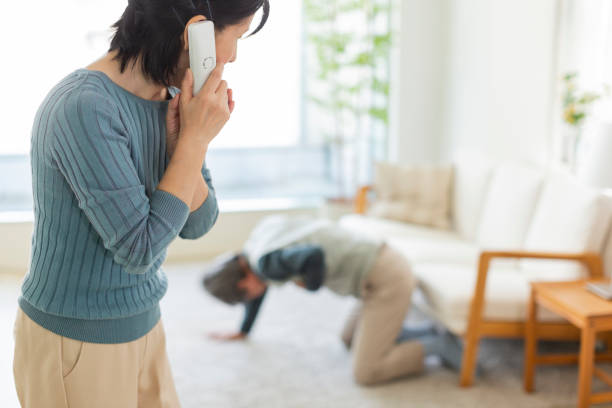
(228, 336)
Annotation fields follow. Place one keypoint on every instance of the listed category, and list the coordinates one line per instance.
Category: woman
(118, 172)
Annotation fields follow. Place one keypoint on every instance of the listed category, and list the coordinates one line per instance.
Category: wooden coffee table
(589, 313)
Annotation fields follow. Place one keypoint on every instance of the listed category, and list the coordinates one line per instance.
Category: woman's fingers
(230, 99)
(187, 86)
(173, 110)
(173, 105)
(213, 81)
(222, 90)
(205, 114)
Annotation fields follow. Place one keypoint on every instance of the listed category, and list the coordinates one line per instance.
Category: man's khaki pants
(375, 324)
(53, 371)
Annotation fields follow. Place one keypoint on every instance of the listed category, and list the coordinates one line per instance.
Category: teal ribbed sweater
(101, 228)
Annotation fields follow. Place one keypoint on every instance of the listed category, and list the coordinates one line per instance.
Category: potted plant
(347, 77)
(575, 109)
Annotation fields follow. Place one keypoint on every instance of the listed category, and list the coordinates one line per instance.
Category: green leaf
(382, 40)
(381, 114)
(348, 50)
(568, 77)
(380, 86)
(578, 117)
(363, 59)
(587, 98)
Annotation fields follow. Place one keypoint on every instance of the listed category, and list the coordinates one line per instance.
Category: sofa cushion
(569, 217)
(383, 228)
(447, 291)
(421, 249)
(417, 243)
(471, 178)
(509, 206)
(416, 194)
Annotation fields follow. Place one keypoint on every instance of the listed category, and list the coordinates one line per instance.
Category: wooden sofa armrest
(361, 199)
(591, 260)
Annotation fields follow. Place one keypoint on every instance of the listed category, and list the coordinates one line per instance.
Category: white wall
(501, 78)
(418, 90)
(476, 74)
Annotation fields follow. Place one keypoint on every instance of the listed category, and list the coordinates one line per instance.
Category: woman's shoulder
(77, 104)
(77, 90)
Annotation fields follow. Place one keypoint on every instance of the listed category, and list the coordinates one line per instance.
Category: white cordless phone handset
(202, 52)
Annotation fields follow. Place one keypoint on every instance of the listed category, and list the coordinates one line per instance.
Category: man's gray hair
(221, 279)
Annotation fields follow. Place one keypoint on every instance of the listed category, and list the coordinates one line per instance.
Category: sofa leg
(468, 364)
(472, 336)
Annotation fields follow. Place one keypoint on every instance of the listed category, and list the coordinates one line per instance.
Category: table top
(573, 297)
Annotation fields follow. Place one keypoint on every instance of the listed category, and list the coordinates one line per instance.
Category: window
(260, 153)
(264, 151)
(266, 79)
(276, 144)
(51, 40)
(52, 44)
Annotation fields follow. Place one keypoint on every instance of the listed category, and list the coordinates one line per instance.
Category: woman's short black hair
(153, 30)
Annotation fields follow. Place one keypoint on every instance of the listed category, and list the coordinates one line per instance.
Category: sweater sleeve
(305, 262)
(202, 220)
(251, 309)
(91, 150)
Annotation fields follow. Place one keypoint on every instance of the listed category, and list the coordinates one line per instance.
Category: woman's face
(226, 41)
(226, 44)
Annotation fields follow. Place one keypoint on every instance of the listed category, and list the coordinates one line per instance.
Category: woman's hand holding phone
(173, 119)
(203, 116)
(199, 118)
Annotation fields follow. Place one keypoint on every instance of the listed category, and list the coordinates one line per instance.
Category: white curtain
(584, 48)
(586, 41)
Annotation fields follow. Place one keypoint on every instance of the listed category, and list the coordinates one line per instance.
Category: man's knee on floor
(364, 375)
(346, 339)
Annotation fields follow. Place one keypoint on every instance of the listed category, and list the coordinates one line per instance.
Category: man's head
(232, 280)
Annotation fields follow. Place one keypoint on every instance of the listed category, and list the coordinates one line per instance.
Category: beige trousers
(386, 299)
(53, 371)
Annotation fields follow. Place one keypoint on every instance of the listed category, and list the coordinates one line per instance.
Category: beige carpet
(295, 359)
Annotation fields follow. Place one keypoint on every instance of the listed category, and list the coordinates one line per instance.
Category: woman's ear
(192, 20)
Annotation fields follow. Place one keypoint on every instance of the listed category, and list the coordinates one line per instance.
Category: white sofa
(498, 206)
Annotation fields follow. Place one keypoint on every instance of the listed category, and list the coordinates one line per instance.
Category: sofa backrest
(503, 205)
(471, 177)
(569, 217)
(509, 206)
